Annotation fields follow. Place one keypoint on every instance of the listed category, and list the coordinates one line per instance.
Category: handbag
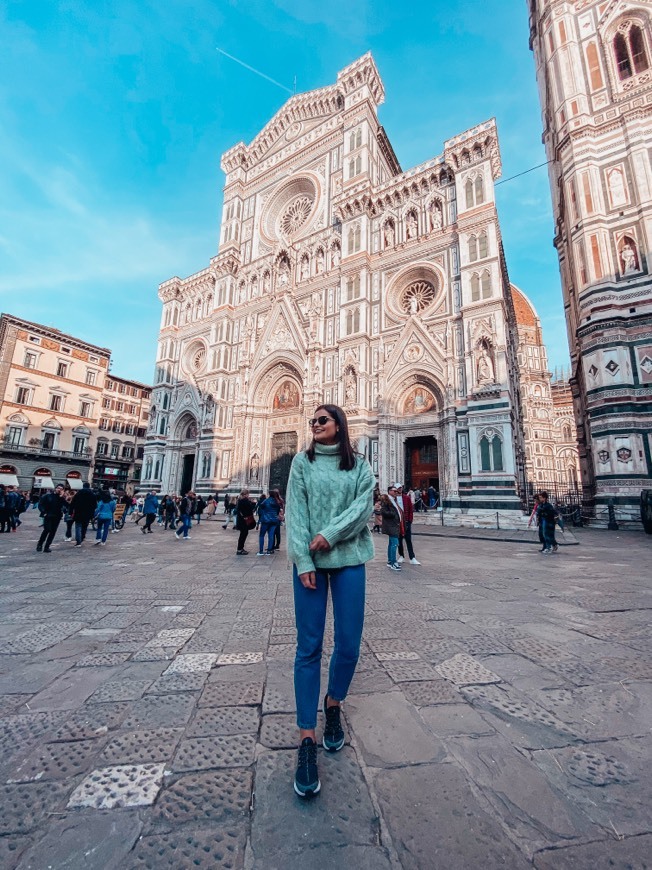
(250, 522)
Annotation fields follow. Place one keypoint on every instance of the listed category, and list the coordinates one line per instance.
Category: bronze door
(284, 448)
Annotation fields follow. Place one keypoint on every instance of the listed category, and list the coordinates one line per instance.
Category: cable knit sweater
(323, 500)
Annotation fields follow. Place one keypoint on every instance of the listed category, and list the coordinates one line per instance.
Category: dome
(526, 314)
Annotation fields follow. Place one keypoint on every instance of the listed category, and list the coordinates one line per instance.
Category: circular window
(194, 359)
(290, 209)
(199, 358)
(416, 296)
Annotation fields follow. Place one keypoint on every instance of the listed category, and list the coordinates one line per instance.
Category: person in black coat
(244, 520)
(51, 507)
(83, 509)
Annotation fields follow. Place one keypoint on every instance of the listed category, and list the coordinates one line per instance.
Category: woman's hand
(309, 580)
(319, 542)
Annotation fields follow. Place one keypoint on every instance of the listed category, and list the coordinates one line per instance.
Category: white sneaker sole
(307, 794)
(333, 748)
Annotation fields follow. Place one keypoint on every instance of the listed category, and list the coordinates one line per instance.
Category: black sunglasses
(323, 420)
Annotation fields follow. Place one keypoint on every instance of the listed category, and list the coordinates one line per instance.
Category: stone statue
(305, 269)
(254, 469)
(628, 255)
(414, 305)
(485, 368)
(434, 213)
(388, 232)
(319, 264)
(411, 225)
(266, 282)
(336, 256)
(284, 272)
(350, 388)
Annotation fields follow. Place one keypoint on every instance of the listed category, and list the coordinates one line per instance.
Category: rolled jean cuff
(306, 727)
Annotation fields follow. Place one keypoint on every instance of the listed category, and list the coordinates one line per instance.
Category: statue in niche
(319, 262)
(414, 305)
(617, 187)
(388, 234)
(254, 468)
(350, 387)
(411, 226)
(485, 367)
(628, 257)
(254, 288)
(336, 256)
(435, 216)
(266, 282)
(305, 269)
(287, 396)
(419, 401)
(284, 272)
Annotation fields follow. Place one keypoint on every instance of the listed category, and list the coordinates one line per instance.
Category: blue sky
(114, 115)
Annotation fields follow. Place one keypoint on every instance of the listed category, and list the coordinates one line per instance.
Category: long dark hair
(347, 453)
(276, 495)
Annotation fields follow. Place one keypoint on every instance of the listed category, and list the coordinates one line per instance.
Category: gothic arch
(279, 369)
(398, 388)
(183, 424)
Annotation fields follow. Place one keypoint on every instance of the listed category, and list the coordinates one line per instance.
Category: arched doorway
(286, 403)
(188, 433)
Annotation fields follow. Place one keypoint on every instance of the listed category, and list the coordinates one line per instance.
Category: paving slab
(632, 853)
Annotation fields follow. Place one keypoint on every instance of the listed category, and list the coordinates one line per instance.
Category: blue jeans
(103, 527)
(184, 519)
(348, 594)
(268, 529)
(80, 530)
(392, 547)
(548, 529)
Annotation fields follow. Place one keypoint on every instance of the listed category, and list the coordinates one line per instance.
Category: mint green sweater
(322, 500)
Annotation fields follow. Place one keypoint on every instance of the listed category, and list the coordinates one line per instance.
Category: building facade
(50, 396)
(124, 417)
(551, 455)
(341, 278)
(594, 68)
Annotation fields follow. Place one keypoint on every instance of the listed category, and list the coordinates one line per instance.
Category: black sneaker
(39, 547)
(333, 739)
(306, 779)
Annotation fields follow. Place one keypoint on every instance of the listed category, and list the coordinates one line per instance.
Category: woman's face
(324, 428)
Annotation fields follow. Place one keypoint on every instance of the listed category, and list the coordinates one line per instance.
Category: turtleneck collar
(328, 449)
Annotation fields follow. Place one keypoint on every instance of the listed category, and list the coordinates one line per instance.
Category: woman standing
(269, 515)
(392, 523)
(278, 498)
(104, 516)
(330, 498)
(244, 520)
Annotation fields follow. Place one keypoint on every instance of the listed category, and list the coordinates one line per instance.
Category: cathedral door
(421, 463)
(187, 473)
(284, 448)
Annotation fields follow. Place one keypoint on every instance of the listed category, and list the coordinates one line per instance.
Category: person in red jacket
(405, 502)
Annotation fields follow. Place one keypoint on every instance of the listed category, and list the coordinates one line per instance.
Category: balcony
(7, 446)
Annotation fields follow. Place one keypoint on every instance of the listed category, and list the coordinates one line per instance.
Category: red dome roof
(525, 313)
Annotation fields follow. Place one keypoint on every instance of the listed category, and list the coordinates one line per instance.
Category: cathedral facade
(594, 68)
(340, 278)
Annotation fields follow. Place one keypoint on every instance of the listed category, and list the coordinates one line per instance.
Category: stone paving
(500, 716)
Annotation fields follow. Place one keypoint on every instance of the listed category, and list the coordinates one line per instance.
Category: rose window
(416, 296)
(199, 358)
(295, 215)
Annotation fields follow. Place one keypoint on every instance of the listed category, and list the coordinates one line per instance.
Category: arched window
(629, 50)
(209, 305)
(483, 247)
(479, 190)
(355, 166)
(175, 317)
(566, 432)
(469, 193)
(148, 467)
(354, 239)
(475, 288)
(595, 73)
(486, 285)
(352, 321)
(188, 313)
(491, 452)
(473, 249)
(157, 469)
(198, 309)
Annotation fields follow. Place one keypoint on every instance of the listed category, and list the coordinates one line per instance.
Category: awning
(44, 482)
(75, 482)
(9, 479)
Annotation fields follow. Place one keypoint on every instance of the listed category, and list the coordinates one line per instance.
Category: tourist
(229, 507)
(51, 508)
(186, 510)
(275, 494)
(83, 506)
(547, 516)
(404, 503)
(329, 500)
(150, 509)
(534, 520)
(432, 496)
(68, 515)
(104, 517)
(269, 515)
(210, 507)
(244, 520)
(377, 517)
(4, 514)
(392, 520)
(417, 500)
(200, 507)
(169, 512)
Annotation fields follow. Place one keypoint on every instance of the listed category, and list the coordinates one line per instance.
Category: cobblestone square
(500, 714)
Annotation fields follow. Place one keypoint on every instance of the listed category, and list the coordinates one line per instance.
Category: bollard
(612, 525)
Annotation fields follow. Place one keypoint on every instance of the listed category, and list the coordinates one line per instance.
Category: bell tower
(594, 69)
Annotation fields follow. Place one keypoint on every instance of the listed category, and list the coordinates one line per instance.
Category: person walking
(104, 517)
(269, 514)
(329, 500)
(432, 497)
(392, 520)
(275, 494)
(83, 507)
(200, 507)
(227, 511)
(245, 520)
(210, 507)
(51, 508)
(169, 512)
(186, 510)
(548, 516)
(150, 509)
(377, 518)
(404, 503)
(534, 520)
(68, 515)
